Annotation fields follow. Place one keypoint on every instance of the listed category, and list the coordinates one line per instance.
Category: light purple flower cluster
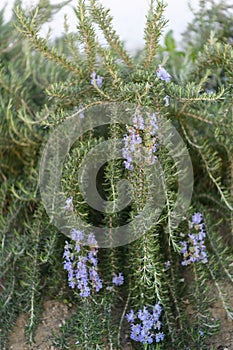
(148, 329)
(162, 74)
(194, 248)
(133, 143)
(82, 267)
(96, 79)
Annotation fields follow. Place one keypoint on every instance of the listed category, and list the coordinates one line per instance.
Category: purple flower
(153, 124)
(144, 332)
(84, 291)
(118, 280)
(93, 77)
(92, 258)
(149, 339)
(132, 143)
(77, 235)
(184, 247)
(133, 149)
(130, 316)
(197, 218)
(67, 253)
(91, 239)
(135, 332)
(128, 165)
(138, 121)
(77, 247)
(194, 249)
(159, 337)
(162, 74)
(201, 333)
(81, 272)
(80, 265)
(143, 314)
(157, 309)
(201, 234)
(98, 80)
(82, 277)
(71, 280)
(69, 204)
(135, 139)
(94, 277)
(68, 266)
(148, 323)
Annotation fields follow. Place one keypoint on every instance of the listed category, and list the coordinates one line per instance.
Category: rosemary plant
(164, 175)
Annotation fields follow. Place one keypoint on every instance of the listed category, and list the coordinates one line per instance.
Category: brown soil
(53, 317)
(55, 313)
(224, 339)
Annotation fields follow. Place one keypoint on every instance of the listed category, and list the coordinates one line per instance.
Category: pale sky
(129, 18)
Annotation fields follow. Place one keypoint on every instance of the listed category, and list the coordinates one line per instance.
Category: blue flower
(144, 332)
(94, 277)
(197, 218)
(77, 235)
(98, 80)
(135, 332)
(69, 204)
(133, 149)
(81, 268)
(194, 249)
(128, 165)
(91, 239)
(162, 74)
(201, 333)
(138, 121)
(118, 280)
(157, 309)
(143, 314)
(92, 257)
(184, 247)
(130, 316)
(131, 142)
(159, 337)
(85, 291)
(153, 124)
(67, 253)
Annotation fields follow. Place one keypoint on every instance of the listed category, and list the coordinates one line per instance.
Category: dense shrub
(180, 110)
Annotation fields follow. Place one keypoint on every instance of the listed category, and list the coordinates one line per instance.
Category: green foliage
(153, 30)
(36, 96)
(211, 16)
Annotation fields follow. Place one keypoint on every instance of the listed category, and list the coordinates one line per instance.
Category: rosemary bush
(170, 118)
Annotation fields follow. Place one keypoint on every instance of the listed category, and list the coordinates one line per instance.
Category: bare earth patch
(223, 340)
(53, 317)
(55, 313)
